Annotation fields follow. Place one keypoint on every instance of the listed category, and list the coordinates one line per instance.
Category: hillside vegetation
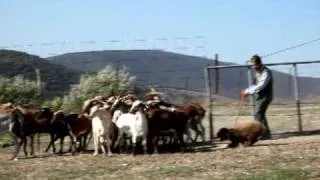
(56, 78)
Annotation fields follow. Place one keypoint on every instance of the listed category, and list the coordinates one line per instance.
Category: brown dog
(246, 132)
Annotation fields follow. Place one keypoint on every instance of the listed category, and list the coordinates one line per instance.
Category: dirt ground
(295, 157)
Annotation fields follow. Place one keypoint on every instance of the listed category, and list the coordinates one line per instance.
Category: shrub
(18, 90)
(106, 82)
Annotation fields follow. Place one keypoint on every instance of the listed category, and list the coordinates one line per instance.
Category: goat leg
(117, 142)
(85, 138)
(53, 138)
(38, 142)
(83, 145)
(74, 137)
(74, 147)
(25, 147)
(31, 145)
(89, 140)
(188, 133)
(102, 143)
(71, 144)
(180, 136)
(79, 142)
(96, 144)
(203, 130)
(61, 145)
(134, 145)
(49, 145)
(17, 149)
(109, 146)
(155, 144)
(145, 145)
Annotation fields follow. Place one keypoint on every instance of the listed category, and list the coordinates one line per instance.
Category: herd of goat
(114, 123)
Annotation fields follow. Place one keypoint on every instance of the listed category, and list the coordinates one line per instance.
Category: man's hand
(243, 94)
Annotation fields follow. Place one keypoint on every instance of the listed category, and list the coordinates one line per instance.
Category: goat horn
(102, 102)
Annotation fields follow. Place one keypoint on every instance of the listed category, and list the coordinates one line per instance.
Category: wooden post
(186, 85)
(216, 62)
(296, 95)
(209, 95)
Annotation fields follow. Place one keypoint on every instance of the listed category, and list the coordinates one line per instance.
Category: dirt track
(293, 154)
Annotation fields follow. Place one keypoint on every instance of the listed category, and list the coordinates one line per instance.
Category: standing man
(263, 91)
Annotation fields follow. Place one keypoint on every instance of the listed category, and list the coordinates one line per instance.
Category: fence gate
(296, 104)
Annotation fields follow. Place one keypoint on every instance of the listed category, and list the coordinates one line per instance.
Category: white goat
(101, 127)
(120, 105)
(133, 124)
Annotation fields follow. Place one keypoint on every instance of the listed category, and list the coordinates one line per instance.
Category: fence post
(296, 95)
(250, 78)
(209, 95)
(216, 62)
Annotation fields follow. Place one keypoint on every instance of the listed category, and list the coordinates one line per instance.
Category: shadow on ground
(199, 147)
(282, 135)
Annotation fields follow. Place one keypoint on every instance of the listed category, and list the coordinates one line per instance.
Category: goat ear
(11, 106)
(94, 102)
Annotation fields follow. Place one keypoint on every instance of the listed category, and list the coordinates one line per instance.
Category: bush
(18, 90)
(106, 82)
(56, 103)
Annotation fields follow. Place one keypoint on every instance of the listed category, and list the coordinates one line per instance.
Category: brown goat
(195, 113)
(246, 132)
(24, 124)
(164, 120)
(79, 127)
(58, 128)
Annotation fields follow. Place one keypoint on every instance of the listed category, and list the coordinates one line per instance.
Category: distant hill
(57, 77)
(166, 69)
(150, 66)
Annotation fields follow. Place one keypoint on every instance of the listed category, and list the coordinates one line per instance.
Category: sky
(233, 29)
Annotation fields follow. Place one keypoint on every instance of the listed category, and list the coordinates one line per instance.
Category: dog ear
(223, 134)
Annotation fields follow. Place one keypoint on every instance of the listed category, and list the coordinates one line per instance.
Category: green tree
(106, 82)
(18, 90)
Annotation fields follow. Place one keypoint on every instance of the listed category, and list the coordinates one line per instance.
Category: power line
(291, 47)
(113, 41)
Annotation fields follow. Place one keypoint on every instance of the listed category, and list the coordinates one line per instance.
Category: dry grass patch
(282, 174)
(294, 157)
